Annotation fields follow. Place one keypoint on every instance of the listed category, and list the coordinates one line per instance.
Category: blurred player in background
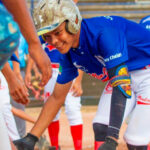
(9, 40)
(72, 103)
(19, 70)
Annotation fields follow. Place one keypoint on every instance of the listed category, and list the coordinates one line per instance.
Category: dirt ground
(65, 140)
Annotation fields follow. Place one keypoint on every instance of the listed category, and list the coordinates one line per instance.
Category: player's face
(61, 39)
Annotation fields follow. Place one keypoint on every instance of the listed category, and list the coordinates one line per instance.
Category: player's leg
(5, 142)
(20, 123)
(53, 131)
(10, 123)
(6, 110)
(137, 135)
(101, 120)
(53, 128)
(72, 109)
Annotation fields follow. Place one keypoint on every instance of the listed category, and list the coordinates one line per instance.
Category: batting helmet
(49, 14)
(145, 22)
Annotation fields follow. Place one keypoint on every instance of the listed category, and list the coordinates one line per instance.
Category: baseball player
(145, 22)
(110, 48)
(6, 110)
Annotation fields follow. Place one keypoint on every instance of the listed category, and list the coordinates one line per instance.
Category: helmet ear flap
(72, 26)
(68, 27)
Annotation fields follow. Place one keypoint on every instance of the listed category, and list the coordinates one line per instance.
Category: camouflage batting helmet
(49, 14)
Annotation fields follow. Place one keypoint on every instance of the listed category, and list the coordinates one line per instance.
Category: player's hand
(27, 79)
(76, 89)
(18, 91)
(42, 61)
(26, 143)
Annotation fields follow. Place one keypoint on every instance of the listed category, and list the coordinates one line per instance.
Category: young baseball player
(145, 22)
(72, 103)
(110, 48)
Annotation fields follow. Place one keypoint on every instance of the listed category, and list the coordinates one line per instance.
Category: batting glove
(109, 144)
(26, 143)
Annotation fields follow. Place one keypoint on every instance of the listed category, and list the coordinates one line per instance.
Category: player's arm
(51, 107)
(20, 12)
(16, 68)
(28, 74)
(21, 114)
(49, 111)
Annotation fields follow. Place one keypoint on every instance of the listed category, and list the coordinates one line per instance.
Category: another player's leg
(137, 134)
(5, 142)
(101, 120)
(100, 131)
(72, 108)
(53, 130)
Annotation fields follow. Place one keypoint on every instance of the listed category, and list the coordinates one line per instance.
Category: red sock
(97, 144)
(53, 130)
(76, 132)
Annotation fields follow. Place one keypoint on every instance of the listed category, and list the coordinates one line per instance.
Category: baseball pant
(138, 130)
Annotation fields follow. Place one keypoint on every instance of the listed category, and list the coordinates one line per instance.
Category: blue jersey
(52, 53)
(106, 42)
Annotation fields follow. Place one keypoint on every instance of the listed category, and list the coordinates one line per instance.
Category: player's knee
(72, 111)
(133, 147)
(100, 131)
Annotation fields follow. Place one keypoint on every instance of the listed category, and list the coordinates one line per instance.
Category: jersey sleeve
(68, 71)
(113, 46)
